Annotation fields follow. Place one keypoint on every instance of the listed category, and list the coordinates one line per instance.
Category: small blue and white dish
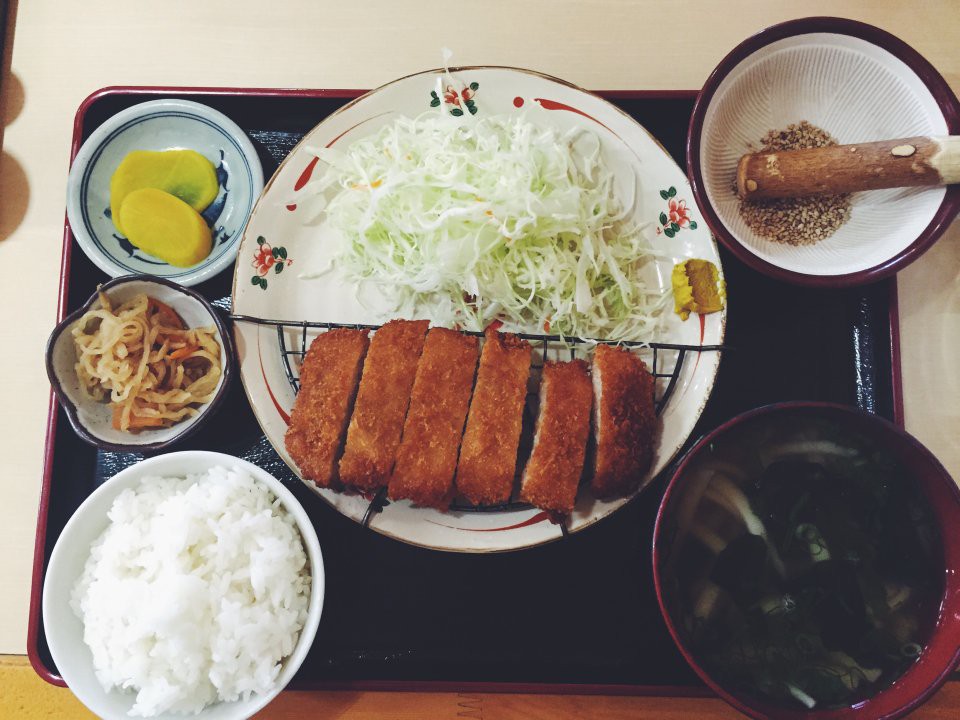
(163, 125)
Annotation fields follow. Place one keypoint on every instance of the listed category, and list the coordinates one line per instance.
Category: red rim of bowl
(938, 659)
(945, 98)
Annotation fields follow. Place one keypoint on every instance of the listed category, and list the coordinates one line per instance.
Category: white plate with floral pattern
(278, 246)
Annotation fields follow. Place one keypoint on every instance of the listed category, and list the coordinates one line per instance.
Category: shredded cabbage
(466, 221)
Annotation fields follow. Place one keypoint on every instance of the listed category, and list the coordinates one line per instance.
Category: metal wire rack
(665, 361)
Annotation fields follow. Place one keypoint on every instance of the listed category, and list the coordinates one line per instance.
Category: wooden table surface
(57, 52)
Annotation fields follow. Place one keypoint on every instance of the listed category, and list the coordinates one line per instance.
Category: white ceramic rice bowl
(64, 630)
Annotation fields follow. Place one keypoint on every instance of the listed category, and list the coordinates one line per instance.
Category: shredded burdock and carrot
(142, 359)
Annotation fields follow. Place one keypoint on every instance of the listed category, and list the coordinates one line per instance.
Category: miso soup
(806, 564)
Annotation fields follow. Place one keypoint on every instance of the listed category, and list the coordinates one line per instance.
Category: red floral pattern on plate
(456, 100)
(677, 215)
(265, 258)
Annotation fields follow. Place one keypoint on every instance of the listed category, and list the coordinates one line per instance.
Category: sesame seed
(796, 221)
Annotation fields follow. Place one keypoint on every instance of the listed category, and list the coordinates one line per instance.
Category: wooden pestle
(848, 168)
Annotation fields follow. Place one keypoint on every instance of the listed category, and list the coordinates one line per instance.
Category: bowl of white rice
(189, 584)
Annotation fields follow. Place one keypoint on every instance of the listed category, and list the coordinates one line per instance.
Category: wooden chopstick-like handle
(839, 169)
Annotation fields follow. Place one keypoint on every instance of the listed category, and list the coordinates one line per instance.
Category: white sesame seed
(796, 221)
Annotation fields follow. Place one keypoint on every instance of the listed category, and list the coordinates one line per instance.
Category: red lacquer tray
(575, 616)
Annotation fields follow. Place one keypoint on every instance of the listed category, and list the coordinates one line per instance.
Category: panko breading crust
(381, 407)
(624, 423)
(553, 472)
(488, 453)
(427, 457)
(328, 385)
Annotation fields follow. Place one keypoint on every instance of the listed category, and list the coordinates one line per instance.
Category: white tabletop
(64, 50)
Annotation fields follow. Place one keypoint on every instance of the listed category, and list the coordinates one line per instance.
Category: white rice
(194, 593)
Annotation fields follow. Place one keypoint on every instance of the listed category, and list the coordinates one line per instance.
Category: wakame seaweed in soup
(808, 565)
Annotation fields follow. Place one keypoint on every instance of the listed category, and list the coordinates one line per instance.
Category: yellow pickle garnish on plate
(697, 287)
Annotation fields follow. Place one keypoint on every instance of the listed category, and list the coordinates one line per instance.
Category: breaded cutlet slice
(624, 421)
(488, 453)
(427, 457)
(381, 406)
(552, 474)
(328, 385)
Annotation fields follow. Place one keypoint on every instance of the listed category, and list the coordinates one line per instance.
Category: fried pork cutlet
(553, 471)
(427, 457)
(382, 400)
(488, 453)
(328, 385)
(624, 421)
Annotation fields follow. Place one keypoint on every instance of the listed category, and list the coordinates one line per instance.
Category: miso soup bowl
(942, 652)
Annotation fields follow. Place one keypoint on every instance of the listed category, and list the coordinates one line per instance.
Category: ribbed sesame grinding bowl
(859, 84)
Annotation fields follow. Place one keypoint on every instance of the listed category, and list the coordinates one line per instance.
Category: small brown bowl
(92, 419)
